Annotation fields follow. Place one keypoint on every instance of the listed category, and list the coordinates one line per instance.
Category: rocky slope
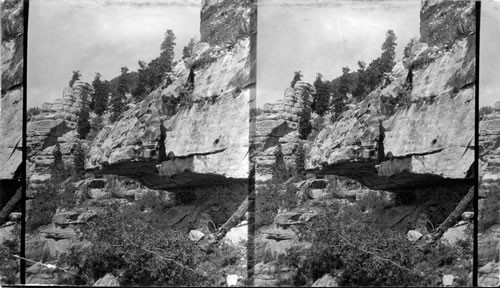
(489, 199)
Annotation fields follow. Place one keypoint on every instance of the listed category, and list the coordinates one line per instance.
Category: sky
(324, 37)
(489, 63)
(99, 36)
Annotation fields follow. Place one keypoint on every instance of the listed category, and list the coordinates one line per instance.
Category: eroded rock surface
(11, 106)
(489, 199)
(209, 136)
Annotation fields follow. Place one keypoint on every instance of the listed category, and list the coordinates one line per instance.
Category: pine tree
(83, 124)
(167, 52)
(300, 159)
(388, 52)
(74, 78)
(118, 98)
(79, 161)
(296, 77)
(321, 98)
(57, 168)
(99, 102)
(187, 51)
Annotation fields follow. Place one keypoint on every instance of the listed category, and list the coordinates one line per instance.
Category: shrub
(42, 208)
(344, 243)
(127, 243)
(9, 265)
(300, 158)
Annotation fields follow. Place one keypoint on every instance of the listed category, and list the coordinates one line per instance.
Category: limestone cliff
(11, 106)
(489, 199)
(207, 128)
(428, 123)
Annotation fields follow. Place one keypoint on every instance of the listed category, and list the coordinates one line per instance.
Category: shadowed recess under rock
(367, 174)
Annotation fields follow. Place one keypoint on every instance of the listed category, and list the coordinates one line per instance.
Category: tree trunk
(4, 214)
(234, 219)
(452, 219)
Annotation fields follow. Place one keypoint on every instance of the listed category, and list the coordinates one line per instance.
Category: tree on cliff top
(167, 52)
(74, 78)
(388, 52)
(296, 77)
(150, 76)
(322, 96)
(100, 97)
(83, 124)
(187, 51)
(118, 98)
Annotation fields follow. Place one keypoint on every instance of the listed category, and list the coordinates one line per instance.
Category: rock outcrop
(208, 136)
(278, 124)
(11, 106)
(221, 19)
(489, 199)
(430, 126)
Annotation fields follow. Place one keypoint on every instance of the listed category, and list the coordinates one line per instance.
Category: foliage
(300, 157)
(79, 161)
(322, 96)
(279, 170)
(57, 170)
(187, 51)
(83, 124)
(9, 265)
(346, 244)
(33, 111)
(409, 46)
(271, 197)
(485, 110)
(305, 126)
(118, 98)
(76, 76)
(43, 207)
(127, 243)
(99, 102)
(297, 76)
(151, 75)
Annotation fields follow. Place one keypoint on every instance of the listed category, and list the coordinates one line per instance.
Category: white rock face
(210, 136)
(413, 235)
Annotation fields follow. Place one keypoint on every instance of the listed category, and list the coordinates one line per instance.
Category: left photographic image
(11, 141)
(137, 142)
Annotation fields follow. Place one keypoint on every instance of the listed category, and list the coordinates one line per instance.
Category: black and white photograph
(243, 143)
(365, 134)
(137, 142)
(11, 141)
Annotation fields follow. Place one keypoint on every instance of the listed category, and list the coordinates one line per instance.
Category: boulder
(326, 281)
(413, 236)
(107, 280)
(196, 236)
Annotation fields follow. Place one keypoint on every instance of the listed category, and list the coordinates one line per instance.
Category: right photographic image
(365, 146)
(489, 149)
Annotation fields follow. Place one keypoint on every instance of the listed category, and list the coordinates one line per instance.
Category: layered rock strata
(427, 125)
(489, 199)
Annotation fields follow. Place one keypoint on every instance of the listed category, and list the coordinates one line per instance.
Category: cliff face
(11, 116)
(489, 199)
(207, 128)
(277, 124)
(427, 125)
(11, 105)
(221, 19)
